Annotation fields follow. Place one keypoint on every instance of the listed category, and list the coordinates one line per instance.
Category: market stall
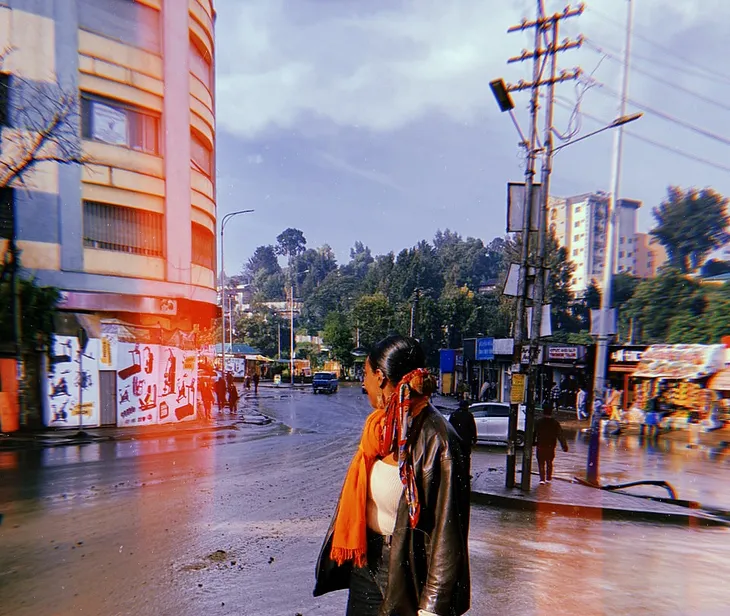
(677, 376)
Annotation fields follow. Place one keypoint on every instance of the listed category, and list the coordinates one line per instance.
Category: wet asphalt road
(231, 523)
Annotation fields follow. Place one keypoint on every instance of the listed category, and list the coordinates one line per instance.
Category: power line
(607, 91)
(663, 146)
(662, 48)
(663, 80)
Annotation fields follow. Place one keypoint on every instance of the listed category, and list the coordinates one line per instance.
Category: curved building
(131, 233)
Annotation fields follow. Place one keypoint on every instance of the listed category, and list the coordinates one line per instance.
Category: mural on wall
(179, 385)
(65, 380)
(137, 384)
(155, 384)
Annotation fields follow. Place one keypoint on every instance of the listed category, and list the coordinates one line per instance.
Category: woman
(398, 539)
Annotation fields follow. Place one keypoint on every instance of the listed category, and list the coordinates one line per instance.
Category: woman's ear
(381, 378)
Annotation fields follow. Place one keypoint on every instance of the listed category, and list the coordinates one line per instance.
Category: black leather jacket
(429, 565)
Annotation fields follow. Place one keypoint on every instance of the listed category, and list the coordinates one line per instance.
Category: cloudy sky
(372, 120)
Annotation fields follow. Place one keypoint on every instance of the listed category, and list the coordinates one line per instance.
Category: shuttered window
(123, 229)
(203, 246)
(117, 123)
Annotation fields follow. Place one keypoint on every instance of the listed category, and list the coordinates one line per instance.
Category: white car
(492, 420)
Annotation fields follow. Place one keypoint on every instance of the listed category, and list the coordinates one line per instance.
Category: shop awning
(685, 362)
(257, 358)
(721, 381)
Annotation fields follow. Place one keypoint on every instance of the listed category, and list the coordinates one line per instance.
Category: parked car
(492, 420)
(324, 382)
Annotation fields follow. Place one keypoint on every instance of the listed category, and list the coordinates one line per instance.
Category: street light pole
(599, 384)
(224, 221)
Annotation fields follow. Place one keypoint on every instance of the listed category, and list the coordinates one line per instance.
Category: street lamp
(224, 221)
(291, 325)
(620, 121)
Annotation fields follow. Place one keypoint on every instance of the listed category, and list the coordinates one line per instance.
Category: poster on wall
(109, 124)
(108, 352)
(137, 383)
(179, 385)
(66, 383)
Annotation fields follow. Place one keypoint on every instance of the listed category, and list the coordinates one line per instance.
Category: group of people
(223, 389)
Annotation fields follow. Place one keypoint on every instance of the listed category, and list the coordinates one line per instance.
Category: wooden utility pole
(545, 26)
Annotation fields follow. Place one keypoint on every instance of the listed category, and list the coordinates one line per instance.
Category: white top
(384, 492)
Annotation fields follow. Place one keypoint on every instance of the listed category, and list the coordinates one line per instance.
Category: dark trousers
(545, 459)
(368, 584)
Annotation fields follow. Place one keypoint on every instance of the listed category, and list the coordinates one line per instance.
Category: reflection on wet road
(222, 524)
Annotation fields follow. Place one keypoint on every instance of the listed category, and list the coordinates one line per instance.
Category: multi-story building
(579, 223)
(650, 256)
(130, 233)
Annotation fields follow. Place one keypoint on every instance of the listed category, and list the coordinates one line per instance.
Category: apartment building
(579, 223)
(131, 233)
(650, 256)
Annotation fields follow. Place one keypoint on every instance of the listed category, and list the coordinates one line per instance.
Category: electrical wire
(665, 50)
(657, 144)
(608, 91)
(605, 54)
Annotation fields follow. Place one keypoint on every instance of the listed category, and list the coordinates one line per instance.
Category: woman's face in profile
(371, 382)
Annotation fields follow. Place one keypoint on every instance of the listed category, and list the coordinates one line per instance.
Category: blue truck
(324, 382)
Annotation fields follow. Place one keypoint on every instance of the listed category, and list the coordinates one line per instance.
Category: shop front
(678, 377)
(623, 361)
(486, 368)
(564, 372)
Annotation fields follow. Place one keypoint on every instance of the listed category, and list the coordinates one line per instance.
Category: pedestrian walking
(466, 428)
(206, 396)
(581, 399)
(547, 434)
(232, 397)
(220, 392)
(405, 500)
(256, 379)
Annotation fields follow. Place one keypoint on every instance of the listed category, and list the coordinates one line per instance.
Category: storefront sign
(562, 353)
(504, 346)
(485, 349)
(526, 355)
(627, 356)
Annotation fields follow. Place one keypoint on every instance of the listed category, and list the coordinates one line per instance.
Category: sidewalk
(575, 499)
(58, 437)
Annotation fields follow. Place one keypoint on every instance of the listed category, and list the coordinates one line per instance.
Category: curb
(523, 502)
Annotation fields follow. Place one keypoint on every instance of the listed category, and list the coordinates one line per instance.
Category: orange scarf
(349, 542)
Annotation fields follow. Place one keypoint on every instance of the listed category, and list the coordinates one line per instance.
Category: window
(203, 246)
(201, 64)
(123, 229)
(577, 223)
(7, 212)
(576, 238)
(575, 252)
(201, 154)
(621, 254)
(120, 124)
(621, 241)
(4, 99)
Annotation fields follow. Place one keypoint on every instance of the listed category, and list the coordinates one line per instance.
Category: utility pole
(542, 24)
(414, 313)
(599, 384)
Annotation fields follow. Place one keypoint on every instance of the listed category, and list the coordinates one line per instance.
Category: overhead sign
(627, 356)
(448, 360)
(511, 284)
(485, 349)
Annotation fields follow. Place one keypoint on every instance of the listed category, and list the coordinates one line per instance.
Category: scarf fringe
(342, 555)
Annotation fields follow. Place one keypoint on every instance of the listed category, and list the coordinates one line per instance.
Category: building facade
(650, 256)
(130, 233)
(579, 223)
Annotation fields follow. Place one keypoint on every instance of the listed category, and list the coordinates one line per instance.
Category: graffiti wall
(66, 383)
(155, 384)
(137, 383)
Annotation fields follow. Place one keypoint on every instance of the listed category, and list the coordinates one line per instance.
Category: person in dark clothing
(206, 395)
(466, 428)
(232, 397)
(547, 434)
(256, 379)
(220, 392)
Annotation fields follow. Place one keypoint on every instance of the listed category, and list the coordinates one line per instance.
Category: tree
(373, 315)
(290, 243)
(263, 260)
(657, 302)
(260, 330)
(360, 260)
(337, 335)
(690, 225)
